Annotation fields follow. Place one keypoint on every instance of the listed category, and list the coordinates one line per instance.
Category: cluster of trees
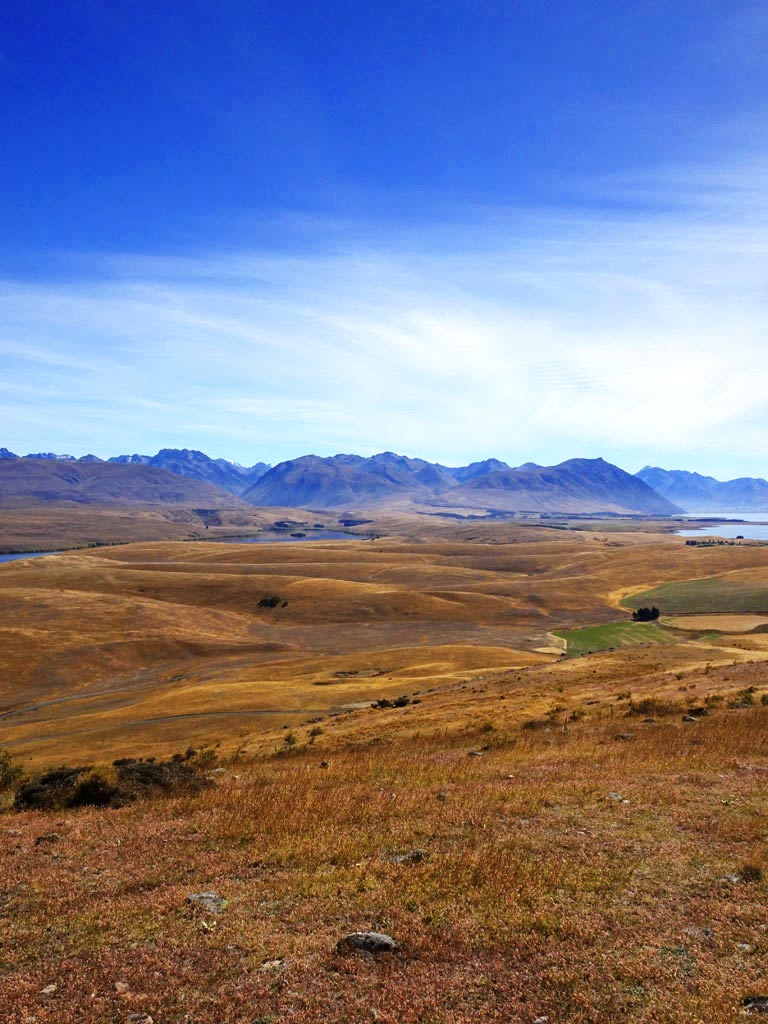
(645, 614)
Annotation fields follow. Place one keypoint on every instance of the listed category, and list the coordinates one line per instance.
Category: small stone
(615, 796)
(689, 718)
(273, 965)
(325, 764)
(366, 942)
(121, 987)
(732, 879)
(755, 1004)
(541, 1020)
(413, 857)
(649, 721)
(624, 736)
(49, 990)
(745, 947)
(138, 1018)
(475, 753)
(697, 932)
(210, 902)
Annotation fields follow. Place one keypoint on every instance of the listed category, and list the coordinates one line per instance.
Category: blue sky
(529, 230)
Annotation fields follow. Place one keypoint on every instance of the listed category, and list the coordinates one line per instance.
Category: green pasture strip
(590, 639)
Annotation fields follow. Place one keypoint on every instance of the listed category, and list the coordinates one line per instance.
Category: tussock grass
(541, 894)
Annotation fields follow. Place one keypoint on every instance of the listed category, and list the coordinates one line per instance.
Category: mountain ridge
(695, 492)
(45, 481)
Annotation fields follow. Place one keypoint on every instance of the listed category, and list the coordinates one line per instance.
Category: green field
(615, 634)
(713, 594)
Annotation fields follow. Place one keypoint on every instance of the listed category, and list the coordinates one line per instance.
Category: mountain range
(32, 481)
(187, 476)
(229, 476)
(697, 493)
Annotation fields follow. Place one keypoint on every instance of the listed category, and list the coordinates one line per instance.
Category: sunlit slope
(146, 647)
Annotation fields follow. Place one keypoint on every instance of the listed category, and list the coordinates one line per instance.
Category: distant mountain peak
(697, 493)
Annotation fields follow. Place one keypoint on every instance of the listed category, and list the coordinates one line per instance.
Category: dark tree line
(645, 614)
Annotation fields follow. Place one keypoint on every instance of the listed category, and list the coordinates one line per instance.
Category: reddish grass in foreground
(541, 894)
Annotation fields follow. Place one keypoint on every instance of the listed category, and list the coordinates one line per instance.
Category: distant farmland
(732, 593)
(616, 634)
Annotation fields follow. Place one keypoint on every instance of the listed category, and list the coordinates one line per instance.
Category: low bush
(65, 787)
(10, 772)
(654, 707)
(156, 778)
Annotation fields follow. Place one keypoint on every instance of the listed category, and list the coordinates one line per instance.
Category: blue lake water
(27, 554)
(270, 537)
(753, 525)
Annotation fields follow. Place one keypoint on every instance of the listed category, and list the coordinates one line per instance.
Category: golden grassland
(588, 855)
(569, 872)
(51, 526)
(144, 648)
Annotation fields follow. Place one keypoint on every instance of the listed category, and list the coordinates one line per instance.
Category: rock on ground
(211, 902)
(367, 942)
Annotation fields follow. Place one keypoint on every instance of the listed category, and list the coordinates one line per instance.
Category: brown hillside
(39, 481)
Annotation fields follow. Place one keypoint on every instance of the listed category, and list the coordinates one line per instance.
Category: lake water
(285, 535)
(753, 525)
(27, 554)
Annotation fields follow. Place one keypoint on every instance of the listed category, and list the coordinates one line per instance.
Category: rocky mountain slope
(578, 485)
(39, 481)
(697, 493)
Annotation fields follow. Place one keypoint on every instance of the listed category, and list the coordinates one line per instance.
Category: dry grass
(577, 857)
(541, 895)
(144, 648)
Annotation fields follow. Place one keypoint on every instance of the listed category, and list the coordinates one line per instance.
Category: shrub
(751, 873)
(534, 724)
(653, 706)
(269, 601)
(65, 787)
(148, 778)
(10, 773)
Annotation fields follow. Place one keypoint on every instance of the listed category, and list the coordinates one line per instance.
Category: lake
(270, 537)
(753, 525)
(27, 554)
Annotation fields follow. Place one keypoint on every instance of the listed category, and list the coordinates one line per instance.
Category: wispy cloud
(639, 334)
